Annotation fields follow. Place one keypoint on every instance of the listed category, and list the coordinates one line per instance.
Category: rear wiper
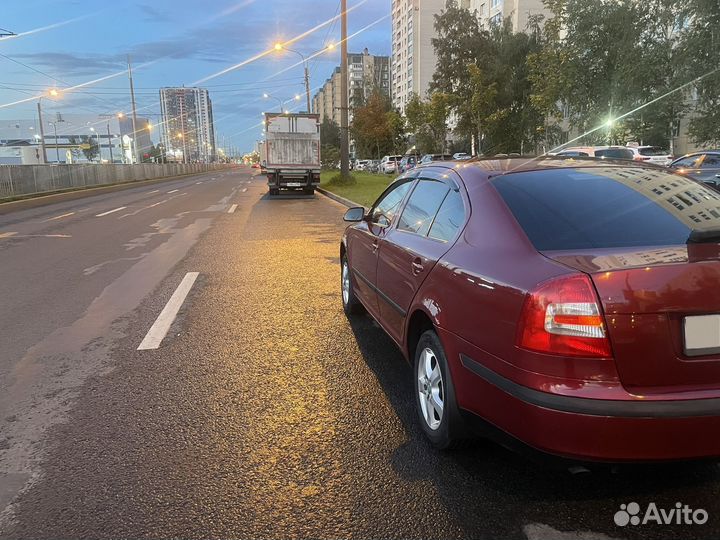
(704, 236)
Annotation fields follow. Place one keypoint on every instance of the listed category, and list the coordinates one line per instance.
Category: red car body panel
(648, 402)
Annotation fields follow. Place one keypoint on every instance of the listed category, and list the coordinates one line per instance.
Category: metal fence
(28, 179)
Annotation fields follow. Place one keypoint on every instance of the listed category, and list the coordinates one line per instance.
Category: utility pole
(134, 114)
(42, 132)
(344, 127)
(110, 143)
(307, 88)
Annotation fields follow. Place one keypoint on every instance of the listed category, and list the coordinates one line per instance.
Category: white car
(361, 164)
(655, 155)
(461, 156)
(389, 164)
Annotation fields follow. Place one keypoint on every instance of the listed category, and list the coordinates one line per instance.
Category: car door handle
(417, 267)
(375, 245)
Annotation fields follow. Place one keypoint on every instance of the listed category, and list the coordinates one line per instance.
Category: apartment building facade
(187, 118)
(365, 73)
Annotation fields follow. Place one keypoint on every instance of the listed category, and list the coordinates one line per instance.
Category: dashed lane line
(167, 316)
(111, 211)
(232, 209)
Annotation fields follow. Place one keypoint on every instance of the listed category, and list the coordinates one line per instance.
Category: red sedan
(569, 305)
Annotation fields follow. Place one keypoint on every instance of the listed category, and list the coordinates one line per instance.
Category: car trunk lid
(662, 309)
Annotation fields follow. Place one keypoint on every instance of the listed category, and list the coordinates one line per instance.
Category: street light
(97, 134)
(281, 47)
(281, 102)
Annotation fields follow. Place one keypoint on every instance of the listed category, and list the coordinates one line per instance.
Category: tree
(374, 127)
(484, 76)
(699, 56)
(428, 122)
(330, 156)
(91, 149)
(329, 133)
(603, 66)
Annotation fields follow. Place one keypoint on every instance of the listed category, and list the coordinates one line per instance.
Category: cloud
(153, 14)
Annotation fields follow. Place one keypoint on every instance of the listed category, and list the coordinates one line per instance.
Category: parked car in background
(429, 158)
(389, 164)
(703, 166)
(655, 155)
(407, 163)
(584, 326)
(607, 152)
(374, 166)
(361, 164)
(461, 156)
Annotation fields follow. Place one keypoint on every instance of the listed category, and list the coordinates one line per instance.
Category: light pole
(97, 134)
(57, 148)
(112, 161)
(344, 119)
(42, 132)
(281, 47)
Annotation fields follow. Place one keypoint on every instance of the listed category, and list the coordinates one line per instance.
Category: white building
(187, 117)
(67, 135)
(413, 57)
(495, 11)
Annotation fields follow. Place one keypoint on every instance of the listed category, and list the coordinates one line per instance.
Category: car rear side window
(449, 219)
(711, 161)
(615, 153)
(652, 151)
(608, 207)
(422, 206)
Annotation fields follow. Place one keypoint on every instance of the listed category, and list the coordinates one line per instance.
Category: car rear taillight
(563, 317)
(641, 158)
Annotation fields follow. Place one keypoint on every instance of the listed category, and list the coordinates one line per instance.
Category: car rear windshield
(607, 207)
(652, 151)
(615, 153)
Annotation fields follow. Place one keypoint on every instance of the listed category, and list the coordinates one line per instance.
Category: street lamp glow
(266, 95)
(120, 115)
(278, 47)
(331, 47)
(53, 92)
(297, 97)
(610, 122)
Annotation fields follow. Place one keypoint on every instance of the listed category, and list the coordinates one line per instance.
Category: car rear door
(364, 242)
(409, 250)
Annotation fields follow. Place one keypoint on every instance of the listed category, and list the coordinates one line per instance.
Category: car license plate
(294, 184)
(702, 335)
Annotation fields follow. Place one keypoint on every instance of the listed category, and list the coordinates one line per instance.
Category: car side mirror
(355, 214)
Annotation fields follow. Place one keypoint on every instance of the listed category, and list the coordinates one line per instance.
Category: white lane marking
(162, 324)
(7, 234)
(198, 183)
(173, 191)
(111, 212)
(153, 191)
(232, 209)
(60, 217)
(156, 204)
(244, 190)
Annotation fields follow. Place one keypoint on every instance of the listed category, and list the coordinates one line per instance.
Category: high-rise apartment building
(413, 29)
(365, 72)
(495, 11)
(189, 132)
(413, 56)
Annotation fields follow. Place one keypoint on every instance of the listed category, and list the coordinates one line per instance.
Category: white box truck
(292, 151)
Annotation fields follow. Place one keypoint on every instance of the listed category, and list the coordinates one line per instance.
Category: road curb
(42, 200)
(338, 198)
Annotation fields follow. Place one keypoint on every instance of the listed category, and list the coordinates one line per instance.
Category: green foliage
(376, 128)
(428, 120)
(483, 75)
(93, 151)
(330, 156)
(329, 133)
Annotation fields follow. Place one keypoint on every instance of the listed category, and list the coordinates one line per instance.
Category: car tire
(351, 305)
(274, 192)
(435, 394)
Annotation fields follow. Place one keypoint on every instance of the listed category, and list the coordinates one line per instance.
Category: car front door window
(387, 207)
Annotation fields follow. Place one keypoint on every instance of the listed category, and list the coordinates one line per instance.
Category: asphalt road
(264, 413)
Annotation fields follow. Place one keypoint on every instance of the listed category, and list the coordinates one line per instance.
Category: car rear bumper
(591, 429)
